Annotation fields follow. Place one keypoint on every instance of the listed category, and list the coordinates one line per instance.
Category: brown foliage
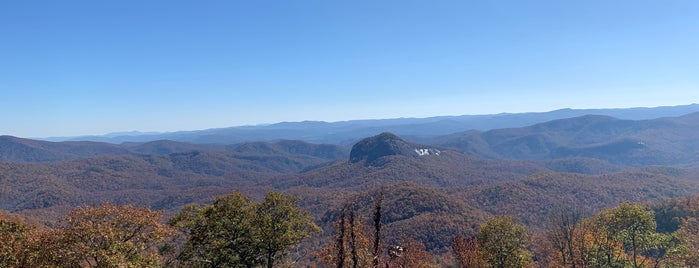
(410, 253)
(466, 252)
(105, 236)
(15, 237)
(351, 247)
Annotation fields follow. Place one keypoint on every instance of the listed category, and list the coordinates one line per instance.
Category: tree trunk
(340, 242)
(353, 240)
(377, 227)
(270, 260)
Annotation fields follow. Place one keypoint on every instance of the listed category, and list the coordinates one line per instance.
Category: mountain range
(348, 132)
(434, 186)
(662, 141)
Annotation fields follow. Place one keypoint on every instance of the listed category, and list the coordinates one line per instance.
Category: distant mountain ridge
(13, 149)
(348, 132)
(662, 141)
(19, 150)
(598, 142)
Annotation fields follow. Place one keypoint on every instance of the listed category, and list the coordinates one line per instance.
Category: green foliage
(235, 232)
(622, 236)
(219, 234)
(280, 226)
(633, 225)
(599, 248)
(662, 248)
(670, 213)
(503, 243)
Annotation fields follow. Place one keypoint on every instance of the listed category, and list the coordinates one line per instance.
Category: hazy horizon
(145, 132)
(87, 68)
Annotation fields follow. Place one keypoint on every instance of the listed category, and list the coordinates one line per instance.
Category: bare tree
(563, 229)
(377, 228)
(340, 241)
(353, 239)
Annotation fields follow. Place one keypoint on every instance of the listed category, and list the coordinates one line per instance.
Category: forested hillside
(437, 198)
(663, 141)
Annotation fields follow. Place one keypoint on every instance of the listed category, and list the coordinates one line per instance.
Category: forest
(235, 231)
(589, 191)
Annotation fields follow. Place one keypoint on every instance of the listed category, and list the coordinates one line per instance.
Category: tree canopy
(235, 232)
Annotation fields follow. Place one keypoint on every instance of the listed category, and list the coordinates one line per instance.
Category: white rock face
(426, 151)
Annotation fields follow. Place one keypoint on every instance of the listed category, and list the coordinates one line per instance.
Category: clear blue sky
(92, 67)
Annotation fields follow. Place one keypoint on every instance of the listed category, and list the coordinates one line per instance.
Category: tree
(105, 236)
(351, 247)
(688, 251)
(220, 234)
(14, 239)
(503, 243)
(467, 251)
(280, 226)
(661, 247)
(235, 232)
(340, 241)
(354, 232)
(634, 226)
(377, 229)
(599, 247)
(564, 229)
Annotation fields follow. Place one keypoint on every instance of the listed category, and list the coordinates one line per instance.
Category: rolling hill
(161, 174)
(445, 194)
(431, 191)
(13, 149)
(663, 141)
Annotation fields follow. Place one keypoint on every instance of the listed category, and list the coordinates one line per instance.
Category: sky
(70, 68)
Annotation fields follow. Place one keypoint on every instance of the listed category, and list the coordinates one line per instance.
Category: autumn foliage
(95, 236)
(235, 231)
(232, 232)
